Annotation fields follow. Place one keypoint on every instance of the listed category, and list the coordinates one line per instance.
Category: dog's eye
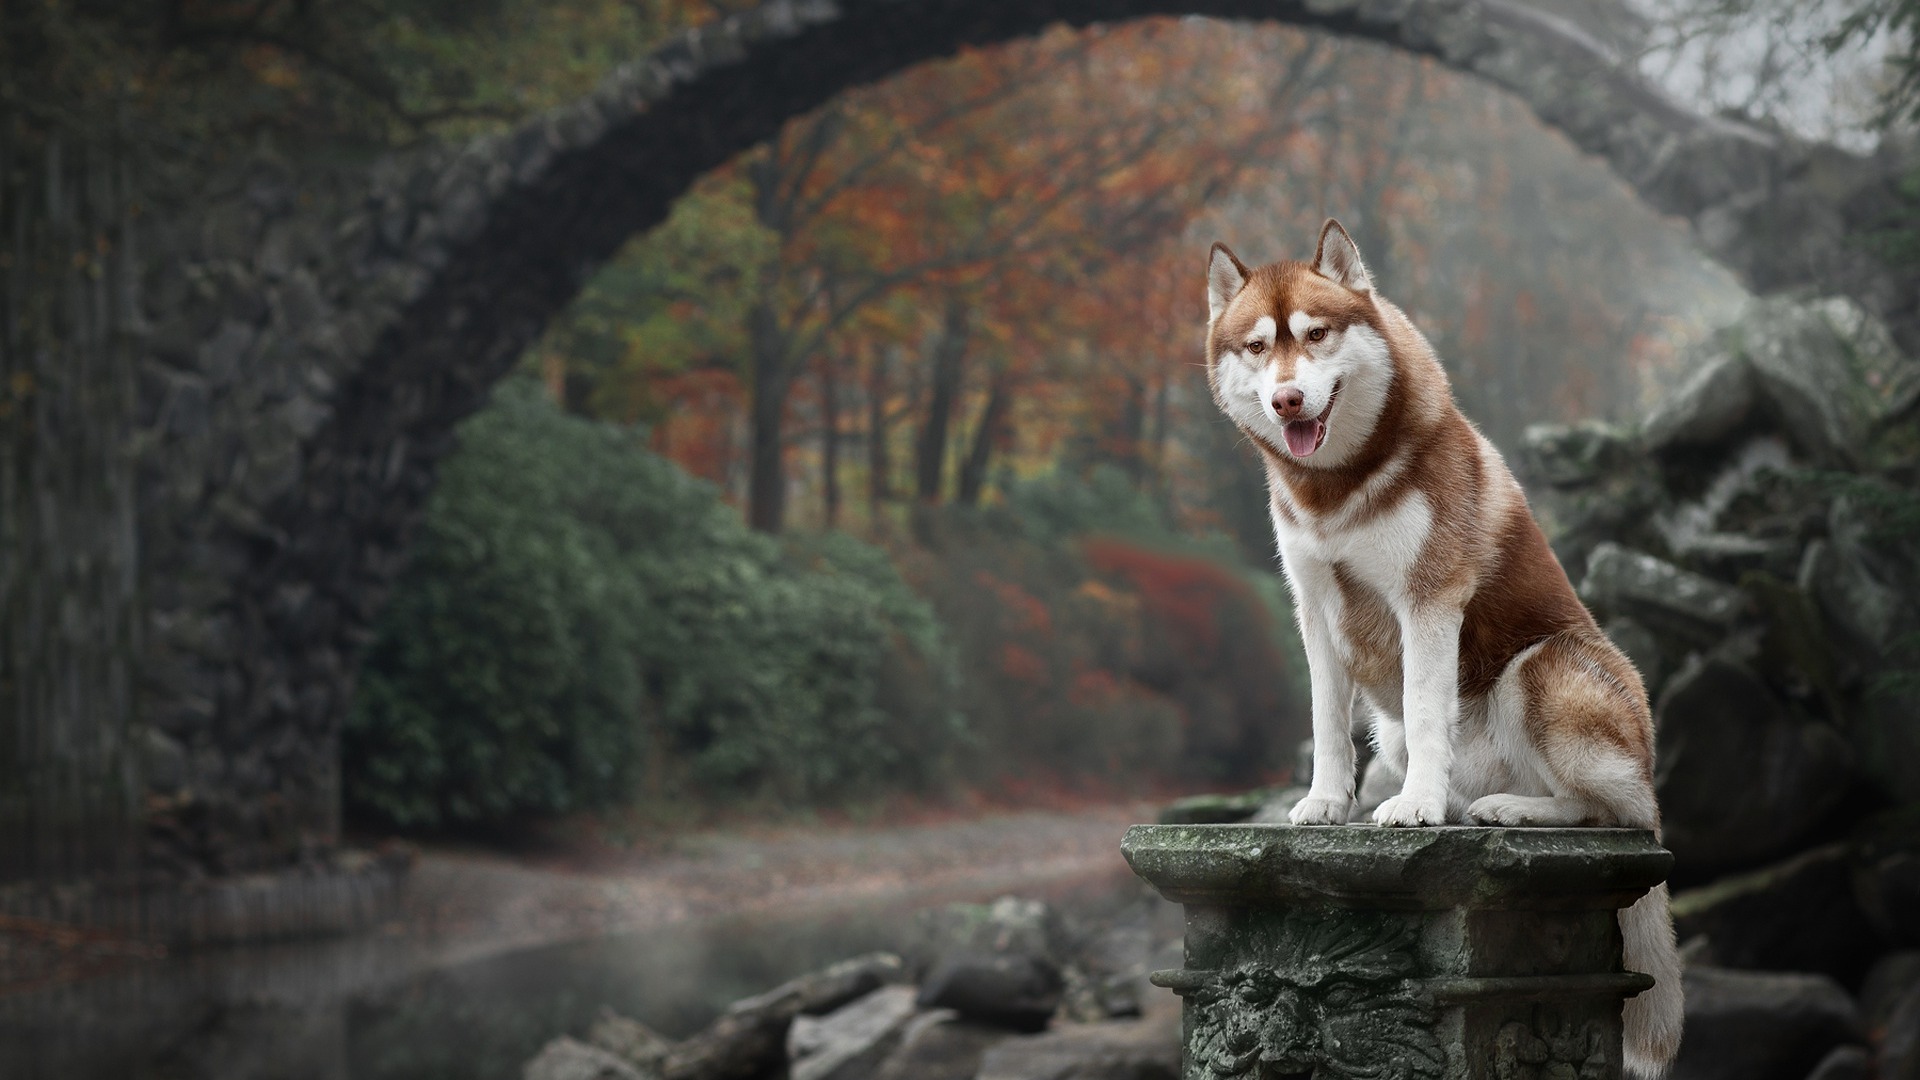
(1255, 348)
(1316, 333)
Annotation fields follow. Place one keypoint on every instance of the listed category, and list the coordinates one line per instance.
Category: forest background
(886, 467)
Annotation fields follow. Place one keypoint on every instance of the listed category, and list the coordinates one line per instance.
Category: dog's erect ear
(1226, 276)
(1338, 258)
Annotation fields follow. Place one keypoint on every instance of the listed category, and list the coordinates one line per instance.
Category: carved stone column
(1392, 954)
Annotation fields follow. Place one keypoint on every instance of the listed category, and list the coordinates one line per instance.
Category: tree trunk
(830, 439)
(949, 356)
(70, 611)
(973, 471)
(766, 415)
(1133, 432)
(879, 457)
(1157, 447)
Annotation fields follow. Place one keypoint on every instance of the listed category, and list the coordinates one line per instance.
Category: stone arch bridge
(311, 339)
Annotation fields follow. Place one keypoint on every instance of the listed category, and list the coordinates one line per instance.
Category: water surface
(380, 1007)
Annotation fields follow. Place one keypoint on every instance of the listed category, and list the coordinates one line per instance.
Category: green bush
(578, 614)
(1058, 506)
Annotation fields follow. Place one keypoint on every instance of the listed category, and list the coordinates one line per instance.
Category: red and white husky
(1422, 581)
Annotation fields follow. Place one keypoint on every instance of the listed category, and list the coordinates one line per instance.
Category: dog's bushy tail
(1653, 1017)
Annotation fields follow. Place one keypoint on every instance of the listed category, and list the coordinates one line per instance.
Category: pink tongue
(1303, 437)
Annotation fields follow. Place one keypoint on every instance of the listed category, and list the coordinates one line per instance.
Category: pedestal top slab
(1412, 869)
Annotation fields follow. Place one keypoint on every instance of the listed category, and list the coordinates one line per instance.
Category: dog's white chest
(1380, 549)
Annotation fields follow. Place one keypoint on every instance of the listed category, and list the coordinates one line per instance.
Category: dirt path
(475, 903)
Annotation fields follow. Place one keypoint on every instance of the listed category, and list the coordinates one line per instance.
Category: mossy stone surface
(1360, 952)
(1368, 866)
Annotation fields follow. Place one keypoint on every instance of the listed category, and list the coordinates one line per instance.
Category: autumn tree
(972, 199)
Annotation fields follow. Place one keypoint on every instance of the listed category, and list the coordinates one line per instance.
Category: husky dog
(1422, 581)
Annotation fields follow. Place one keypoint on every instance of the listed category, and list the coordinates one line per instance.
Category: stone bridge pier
(1421, 954)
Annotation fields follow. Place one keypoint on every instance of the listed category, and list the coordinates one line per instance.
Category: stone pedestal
(1391, 954)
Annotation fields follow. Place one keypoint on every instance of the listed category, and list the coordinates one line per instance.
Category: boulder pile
(1011, 990)
(1754, 546)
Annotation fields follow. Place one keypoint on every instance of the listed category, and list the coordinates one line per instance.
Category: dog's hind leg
(1566, 716)
(1530, 811)
(1571, 713)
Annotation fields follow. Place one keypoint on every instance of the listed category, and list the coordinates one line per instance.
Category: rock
(1863, 591)
(1844, 1063)
(1885, 734)
(1571, 455)
(188, 411)
(164, 762)
(1831, 367)
(1215, 809)
(1799, 915)
(1010, 924)
(749, 1039)
(1264, 866)
(1620, 581)
(1898, 1056)
(939, 1045)
(570, 1059)
(1088, 997)
(1008, 990)
(1741, 779)
(1887, 877)
(1744, 1025)
(630, 1040)
(225, 353)
(1863, 581)
(1116, 1050)
(1732, 524)
(849, 1042)
(1796, 652)
(1641, 647)
(1714, 403)
(1890, 981)
(1619, 506)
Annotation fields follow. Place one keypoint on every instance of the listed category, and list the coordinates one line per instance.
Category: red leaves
(1025, 611)
(1187, 594)
(697, 427)
(1022, 664)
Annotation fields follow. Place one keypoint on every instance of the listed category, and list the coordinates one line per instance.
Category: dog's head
(1297, 351)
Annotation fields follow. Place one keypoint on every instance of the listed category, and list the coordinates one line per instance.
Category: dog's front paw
(1320, 810)
(1408, 811)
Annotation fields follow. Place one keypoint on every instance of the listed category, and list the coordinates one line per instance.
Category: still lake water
(385, 1008)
